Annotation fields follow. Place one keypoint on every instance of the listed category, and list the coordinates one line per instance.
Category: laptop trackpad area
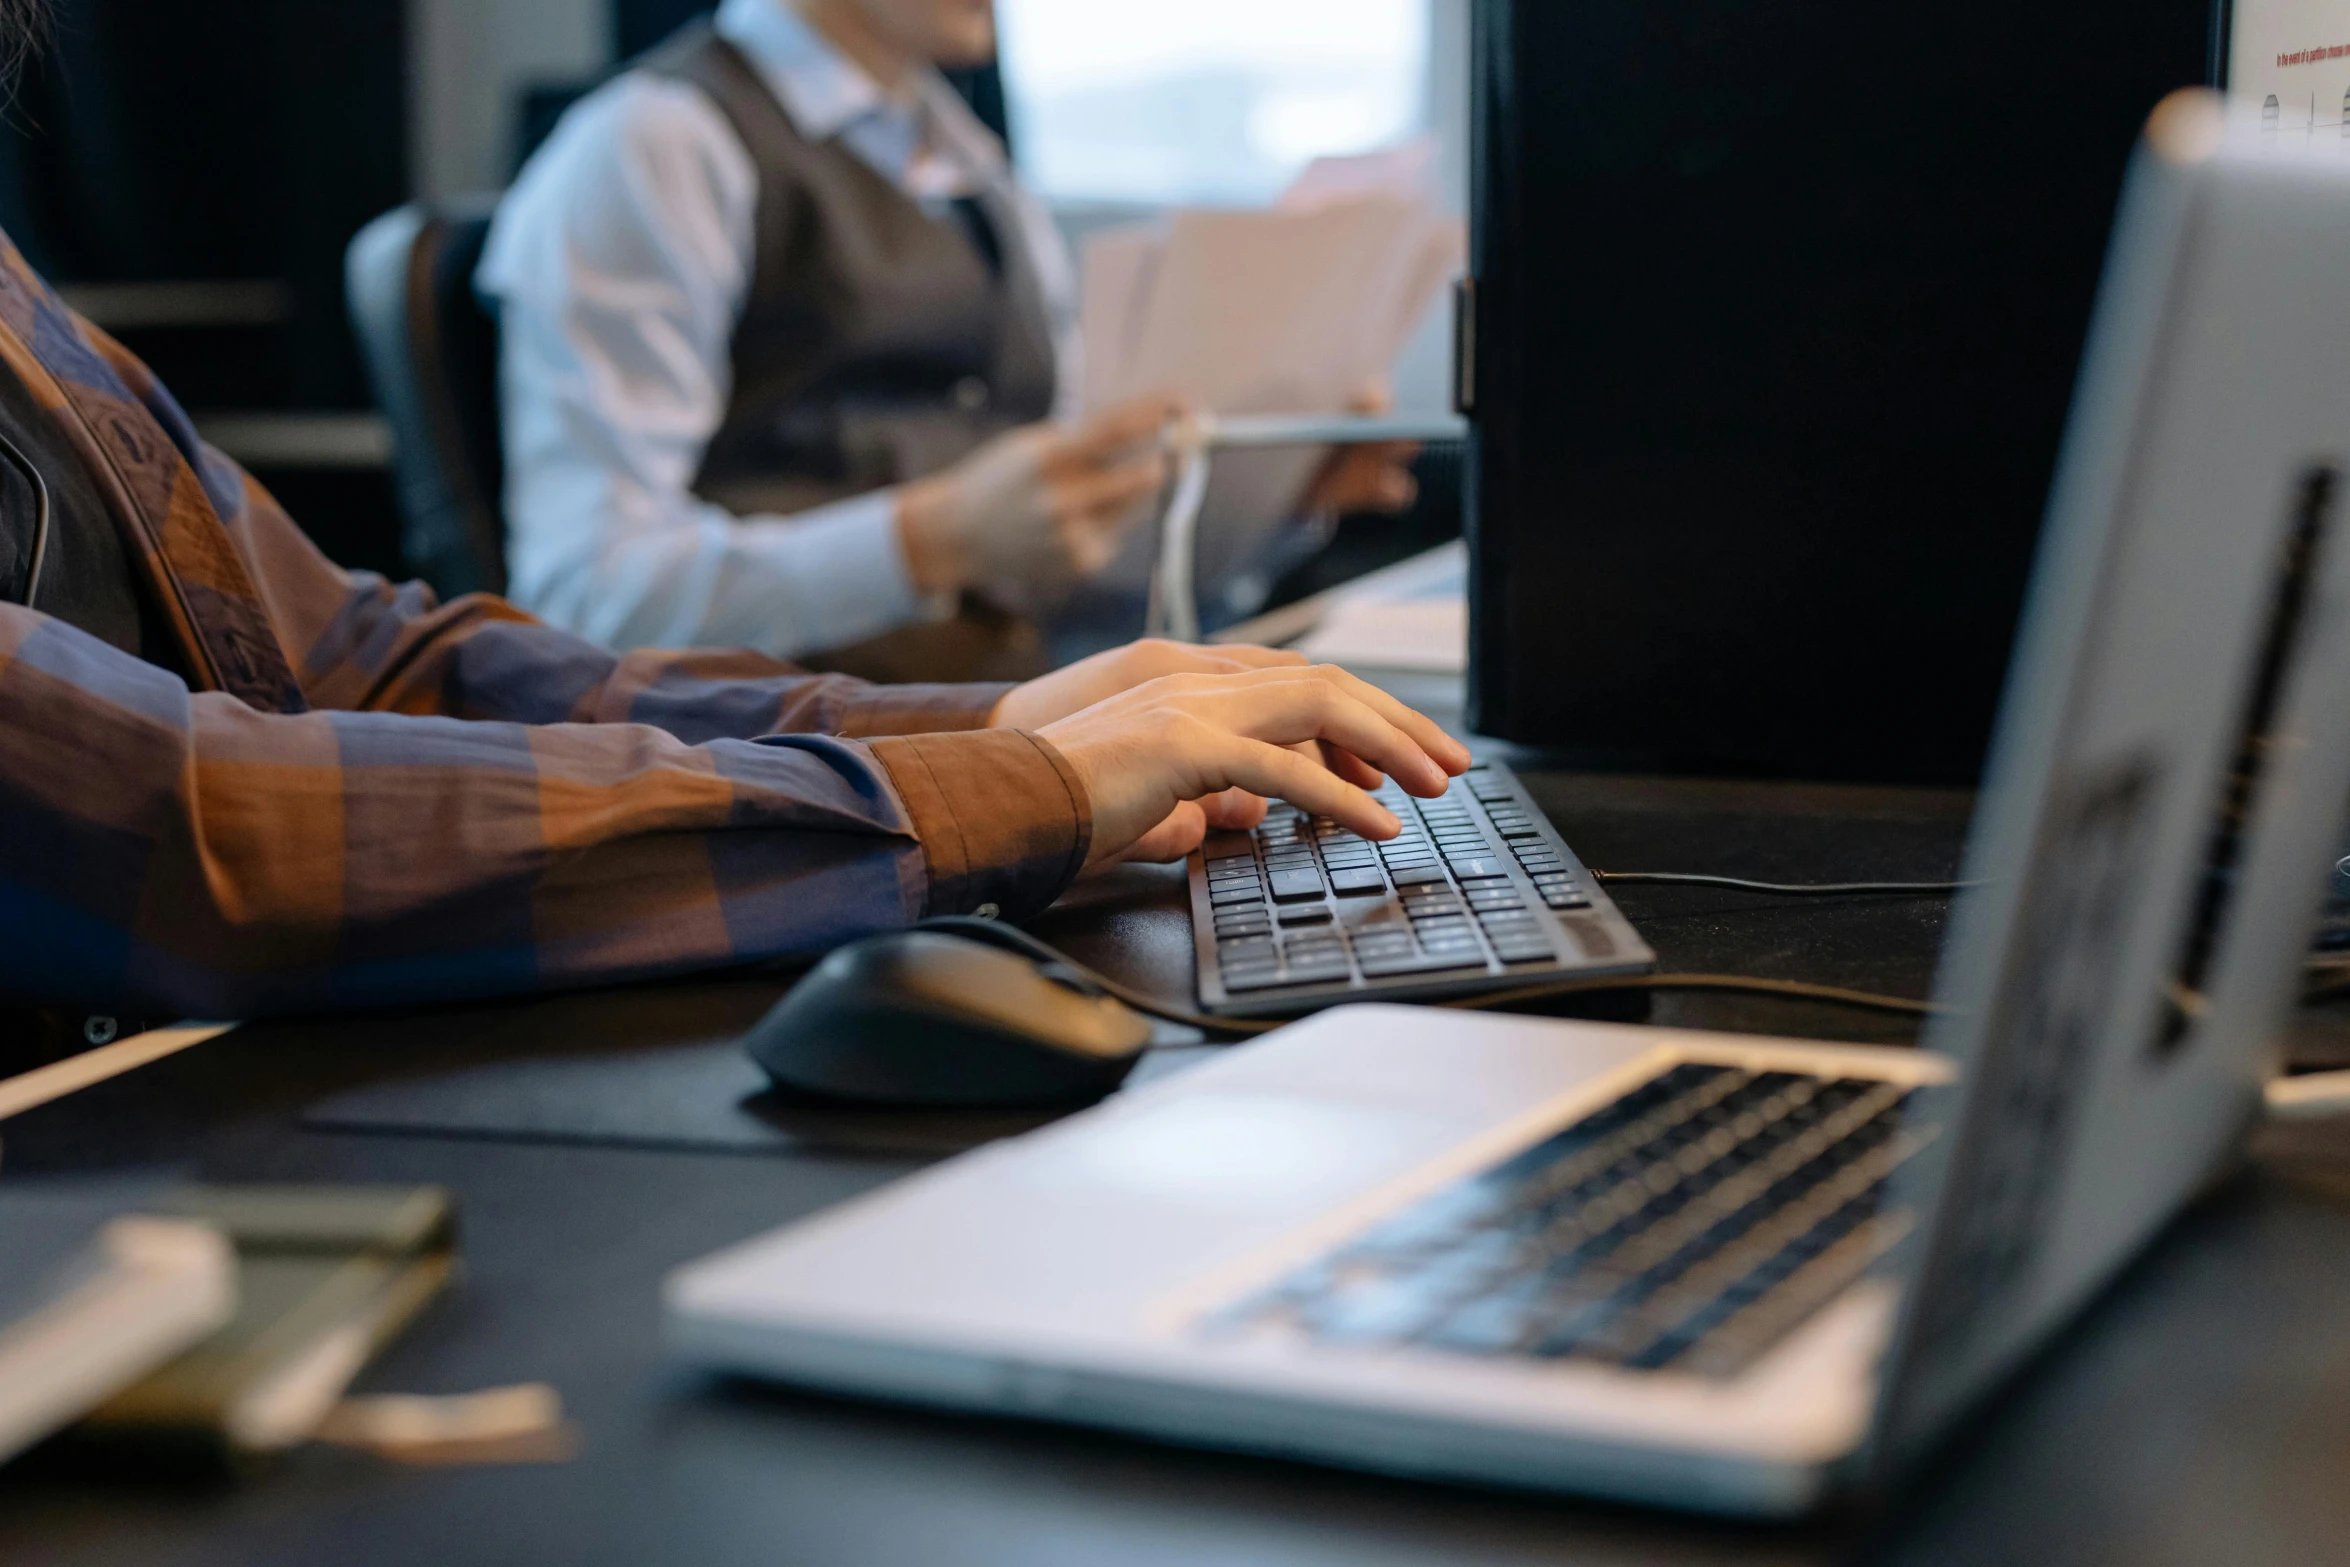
(1251, 1152)
(1095, 1225)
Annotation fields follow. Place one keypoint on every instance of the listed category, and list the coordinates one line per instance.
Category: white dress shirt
(620, 265)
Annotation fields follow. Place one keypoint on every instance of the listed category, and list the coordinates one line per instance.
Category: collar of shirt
(922, 140)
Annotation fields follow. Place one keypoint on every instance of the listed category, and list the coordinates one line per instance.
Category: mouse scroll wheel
(1069, 978)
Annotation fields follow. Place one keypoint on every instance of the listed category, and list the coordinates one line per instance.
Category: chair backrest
(432, 352)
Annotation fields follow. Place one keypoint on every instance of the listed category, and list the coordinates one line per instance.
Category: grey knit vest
(879, 342)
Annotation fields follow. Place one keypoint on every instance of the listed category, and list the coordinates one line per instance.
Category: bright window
(1205, 101)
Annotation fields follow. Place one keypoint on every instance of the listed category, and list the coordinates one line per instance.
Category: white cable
(1175, 585)
(1174, 602)
(2313, 1096)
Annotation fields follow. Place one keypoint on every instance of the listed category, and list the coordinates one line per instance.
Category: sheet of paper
(1413, 616)
(1406, 170)
(1115, 293)
(1275, 312)
(1301, 309)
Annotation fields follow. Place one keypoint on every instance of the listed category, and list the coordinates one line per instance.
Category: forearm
(188, 855)
(634, 561)
(366, 645)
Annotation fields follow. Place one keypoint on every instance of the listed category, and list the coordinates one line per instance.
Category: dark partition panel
(1777, 314)
(230, 141)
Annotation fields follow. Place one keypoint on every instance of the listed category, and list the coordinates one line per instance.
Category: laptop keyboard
(1477, 892)
(1689, 1225)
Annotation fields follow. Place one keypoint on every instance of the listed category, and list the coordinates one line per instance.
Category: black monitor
(1777, 310)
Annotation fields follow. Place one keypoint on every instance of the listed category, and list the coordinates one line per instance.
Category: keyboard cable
(2314, 1096)
(1792, 889)
(1068, 970)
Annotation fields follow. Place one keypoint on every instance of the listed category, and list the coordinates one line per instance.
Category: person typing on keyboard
(238, 780)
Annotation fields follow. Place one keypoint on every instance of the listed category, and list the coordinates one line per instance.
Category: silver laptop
(1714, 1271)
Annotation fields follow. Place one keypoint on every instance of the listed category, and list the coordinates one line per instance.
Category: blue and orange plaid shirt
(365, 797)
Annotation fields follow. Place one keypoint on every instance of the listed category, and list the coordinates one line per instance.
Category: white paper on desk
(1426, 636)
(1297, 310)
(1412, 616)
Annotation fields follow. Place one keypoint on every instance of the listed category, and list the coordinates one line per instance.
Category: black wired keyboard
(1478, 894)
(1688, 1226)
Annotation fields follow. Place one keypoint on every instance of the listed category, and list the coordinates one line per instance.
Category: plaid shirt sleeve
(382, 799)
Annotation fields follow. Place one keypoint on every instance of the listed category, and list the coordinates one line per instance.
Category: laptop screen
(2171, 761)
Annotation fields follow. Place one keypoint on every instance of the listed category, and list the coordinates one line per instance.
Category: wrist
(933, 562)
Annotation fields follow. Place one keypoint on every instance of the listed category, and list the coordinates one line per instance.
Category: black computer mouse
(928, 1019)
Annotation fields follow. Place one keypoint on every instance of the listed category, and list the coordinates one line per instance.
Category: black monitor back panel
(1777, 313)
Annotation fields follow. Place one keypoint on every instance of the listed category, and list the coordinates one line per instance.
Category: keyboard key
(1243, 858)
(1566, 899)
(1233, 897)
(1289, 886)
(1353, 882)
(1474, 869)
(1241, 950)
(1654, 1241)
(1306, 914)
(1408, 876)
(1384, 967)
(1257, 979)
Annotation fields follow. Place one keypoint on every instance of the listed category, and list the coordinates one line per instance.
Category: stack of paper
(93, 1296)
(326, 1276)
(1301, 309)
(1412, 616)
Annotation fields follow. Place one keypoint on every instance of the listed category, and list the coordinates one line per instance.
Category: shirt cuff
(1001, 817)
(919, 710)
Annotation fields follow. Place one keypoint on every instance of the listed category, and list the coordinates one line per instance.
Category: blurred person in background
(784, 346)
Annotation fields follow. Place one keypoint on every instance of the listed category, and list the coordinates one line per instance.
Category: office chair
(432, 353)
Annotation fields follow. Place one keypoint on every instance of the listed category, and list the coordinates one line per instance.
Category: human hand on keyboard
(1072, 690)
(1159, 762)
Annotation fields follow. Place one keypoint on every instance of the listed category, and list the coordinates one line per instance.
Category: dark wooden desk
(2200, 1415)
